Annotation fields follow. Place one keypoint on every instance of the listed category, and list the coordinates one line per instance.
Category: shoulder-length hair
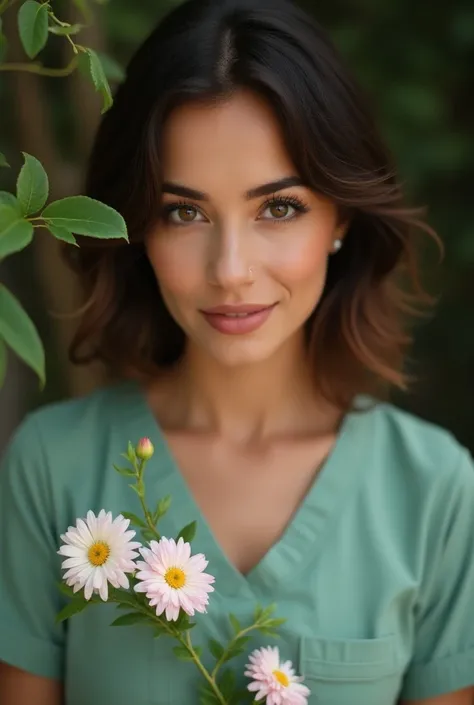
(204, 50)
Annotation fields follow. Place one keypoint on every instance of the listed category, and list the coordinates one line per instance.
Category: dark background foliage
(416, 62)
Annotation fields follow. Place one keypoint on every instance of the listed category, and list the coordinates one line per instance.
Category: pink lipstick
(239, 319)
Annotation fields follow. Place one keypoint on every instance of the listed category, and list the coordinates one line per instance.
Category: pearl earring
(337, 244)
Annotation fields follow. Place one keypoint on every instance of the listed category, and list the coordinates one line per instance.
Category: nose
(229, 262)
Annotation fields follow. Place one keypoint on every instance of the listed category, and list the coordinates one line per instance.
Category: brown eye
(279, 210)
(186, 214)
(182, 214)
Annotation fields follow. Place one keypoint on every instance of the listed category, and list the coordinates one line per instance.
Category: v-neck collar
(305, 534)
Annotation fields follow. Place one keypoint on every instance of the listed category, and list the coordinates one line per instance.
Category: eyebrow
(257, 192)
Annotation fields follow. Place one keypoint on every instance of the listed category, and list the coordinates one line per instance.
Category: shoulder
(419, 439)
(64, 421)
(76, 414)
(66, 434)
(426, 459)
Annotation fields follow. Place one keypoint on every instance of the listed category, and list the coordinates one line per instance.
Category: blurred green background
(416, 62)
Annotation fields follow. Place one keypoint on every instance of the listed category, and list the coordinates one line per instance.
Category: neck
(247, 403)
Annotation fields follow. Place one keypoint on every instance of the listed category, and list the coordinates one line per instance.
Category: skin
(237, 407)
(232, 249)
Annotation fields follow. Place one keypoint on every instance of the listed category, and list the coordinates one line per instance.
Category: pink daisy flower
(173, 579)
(274, 680)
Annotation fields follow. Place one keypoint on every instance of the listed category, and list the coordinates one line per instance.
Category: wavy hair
(204, 50)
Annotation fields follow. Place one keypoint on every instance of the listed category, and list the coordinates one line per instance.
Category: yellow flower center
(282, 678)
(98, 553)
(175, 578)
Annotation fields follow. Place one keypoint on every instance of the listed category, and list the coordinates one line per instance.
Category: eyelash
(296, 203)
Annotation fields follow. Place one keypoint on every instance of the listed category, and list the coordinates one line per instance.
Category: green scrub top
(375, 573)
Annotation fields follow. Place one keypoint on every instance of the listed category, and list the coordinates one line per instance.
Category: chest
(341, 575)
(248, 497)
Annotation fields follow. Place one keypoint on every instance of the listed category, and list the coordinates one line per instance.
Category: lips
(237, 310)
(238, 320)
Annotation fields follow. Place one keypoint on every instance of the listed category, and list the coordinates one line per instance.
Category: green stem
(139, 469)
(186, 642)
(41, 70)
(209, 677)
(230, 645)
(64, 24)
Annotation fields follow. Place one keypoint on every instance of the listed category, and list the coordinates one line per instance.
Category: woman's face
(240, 251)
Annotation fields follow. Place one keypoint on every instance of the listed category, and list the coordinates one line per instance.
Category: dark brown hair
(204, 50)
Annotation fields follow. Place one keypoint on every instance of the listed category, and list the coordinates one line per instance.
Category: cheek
(301, 260)
(176, 263)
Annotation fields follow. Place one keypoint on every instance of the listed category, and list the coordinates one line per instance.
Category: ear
(342, 228)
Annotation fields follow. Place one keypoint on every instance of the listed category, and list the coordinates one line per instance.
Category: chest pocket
(355, 672)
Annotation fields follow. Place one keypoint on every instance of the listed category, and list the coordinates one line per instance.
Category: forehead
(237, 142)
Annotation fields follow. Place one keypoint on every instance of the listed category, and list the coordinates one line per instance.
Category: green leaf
(85, 216)
(124, 606)
(240, 643)
(71, 609)
(269, 632)
(227, 684)
(15, 232)
(62, 234)
(124, 471)
(148, 535)
(135, 489)
(8, 199)
(131, 454)
(32, 187)
(20, 334)
(182, 653)
(183, 624)
(68, 591)
(274, 623)
(33, 26)
(134, 519)
(112, 69)
(188, 533)
(267, 612)
(66, 31)
(236, 626)
(3, 159)
(216, 648)
(3, 362)
(91, 65)
(236, 649)
(125, 620)
(161, 508)
(207, 696)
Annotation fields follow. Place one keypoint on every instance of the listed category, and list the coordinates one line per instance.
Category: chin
(240, 353)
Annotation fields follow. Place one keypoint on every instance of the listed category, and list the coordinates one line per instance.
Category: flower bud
(144, 449)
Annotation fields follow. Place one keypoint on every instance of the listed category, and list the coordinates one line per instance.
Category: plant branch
(41, 70)
(230, 646)
(184, 641)
(139, 469)
(209, 677)
(60, 23)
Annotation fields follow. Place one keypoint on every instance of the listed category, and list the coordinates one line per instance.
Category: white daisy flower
(173, 579)
(274, 680)
(99, 551)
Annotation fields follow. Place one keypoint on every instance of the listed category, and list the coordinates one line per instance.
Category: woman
(253, 322)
